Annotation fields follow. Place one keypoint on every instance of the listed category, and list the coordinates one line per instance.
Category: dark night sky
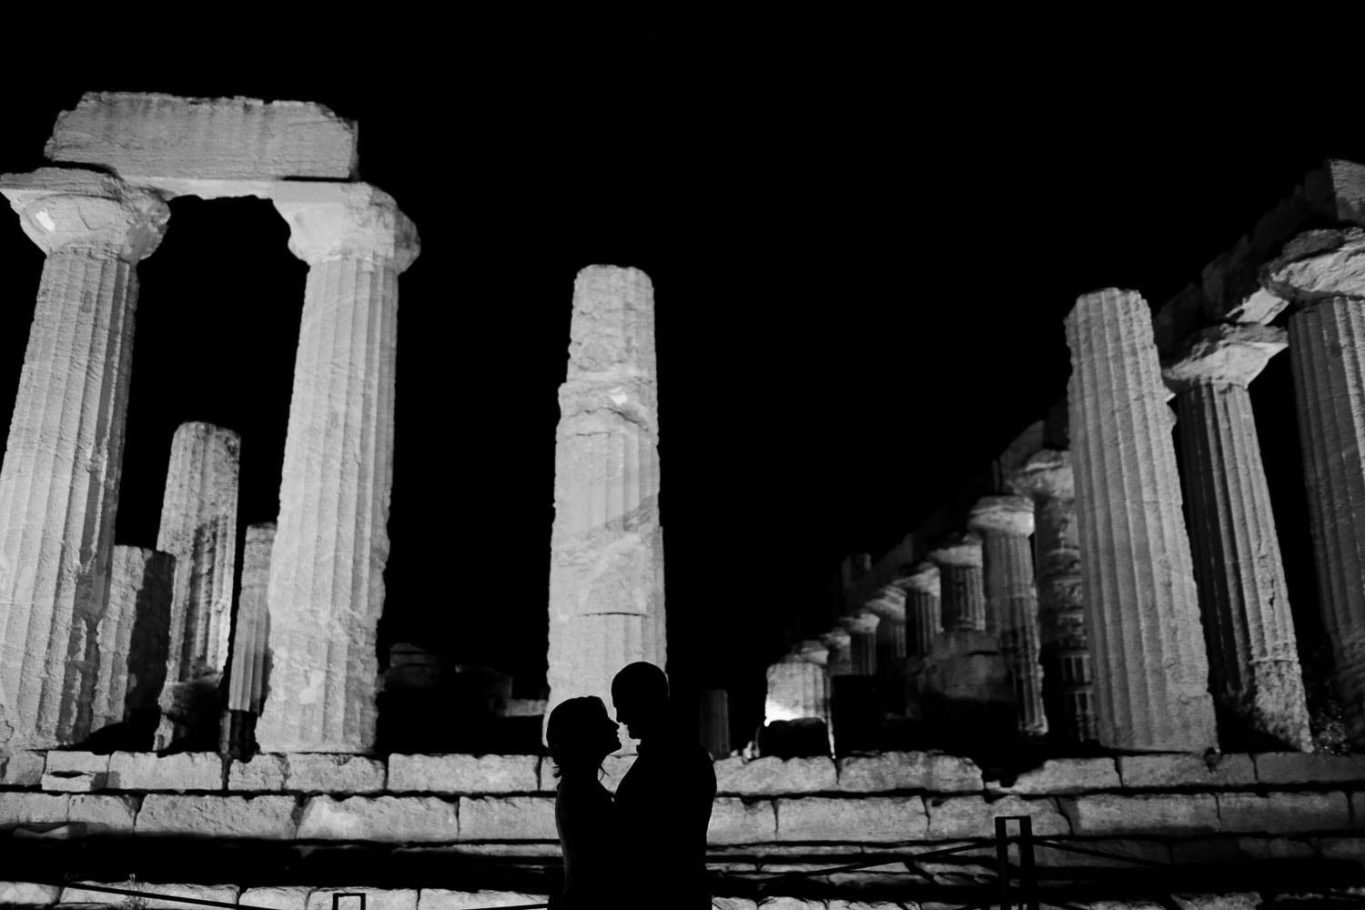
(863, 240)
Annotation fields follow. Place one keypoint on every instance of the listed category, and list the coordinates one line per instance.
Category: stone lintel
(1224, 354)
(1012, 515)
(156, 135)
(345, 220)
(1047, 474)
(1318, 265)
(958, 550)
(59, 206)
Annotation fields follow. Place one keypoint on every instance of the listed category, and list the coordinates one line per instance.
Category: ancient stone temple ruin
(1093, 634)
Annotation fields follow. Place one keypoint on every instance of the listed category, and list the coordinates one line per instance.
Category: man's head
(640, 694)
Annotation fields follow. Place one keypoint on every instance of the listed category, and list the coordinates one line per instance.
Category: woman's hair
(577, 734)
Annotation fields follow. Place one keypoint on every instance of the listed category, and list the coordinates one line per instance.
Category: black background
(863, 237)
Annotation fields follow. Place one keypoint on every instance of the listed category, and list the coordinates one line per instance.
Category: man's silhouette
(664, 802)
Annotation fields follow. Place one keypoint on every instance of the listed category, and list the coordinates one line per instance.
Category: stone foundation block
(320, 773)
(103, 814)
(973, 816)
(732, 903)
(1054, 858)
(263, 774)
(1101, 814)
(61, 762)
(256, 817)
(929, 771)
(507, 818)
(1234, 901)
(395, 819)
(1284, 813)
(73, 782)
(440, 899)
(1183, 770)
(1308, 768)
(29, 893)
(1064, 775)
(375, 899)
(181, 771)
(19, 808)
(1276, 849)
(771, 775)
(21, 769)
(1342, 849)
(225, 893)
(464, 773)
(735, 821)
(290, 898)
(872, 818)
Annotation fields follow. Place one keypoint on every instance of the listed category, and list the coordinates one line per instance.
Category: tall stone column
(64, 454)
(251, 639)
(199, 528)
(923, 612)
(1142, 607)
(1319, 274)
(889, 608)
(326, 588)
(715, 722)
(1253, 653)
(1068, 687)
(862, 628)
(1005, 524)
(963, 593)
(798, 687)
(134, 635)
(840, 645)
(606, 546)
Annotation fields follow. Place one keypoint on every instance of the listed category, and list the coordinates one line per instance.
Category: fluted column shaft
(326, 589)
(246, 680)
(715, 722)
(923, 612)
(1005, 524)
(133, 634)
(64, 454)
(607, 558)
(1142, 607)
(1254, 669)
(963, 594)
(797, 689)
(862, 630)
(1064, 650)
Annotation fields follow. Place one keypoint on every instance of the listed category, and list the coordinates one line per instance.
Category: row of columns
(59, 480)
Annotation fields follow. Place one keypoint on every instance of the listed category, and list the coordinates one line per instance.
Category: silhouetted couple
(647, 848)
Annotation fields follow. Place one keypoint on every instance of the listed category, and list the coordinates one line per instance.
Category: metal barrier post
(1028, 875)
(1002, 860)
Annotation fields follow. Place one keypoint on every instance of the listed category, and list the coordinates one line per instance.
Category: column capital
(59, 208)
(1223, 354)
(811, 650)
(837, 639)
(863, 623)
(888, 603)
(1046, 475)
(345, 220)
(1012, 515)
(958, 550)
(1318, 265)
(924, 579)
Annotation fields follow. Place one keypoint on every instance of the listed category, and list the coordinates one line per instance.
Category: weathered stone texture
(974, 816)
(440, 899)
(251, 639)
(1298, 768)
(889, 771)
(463, 773)
(1142, 620)
(141, 136)
(305, 773)
(199, 528)
(21, 808)
(178, 771)
(75, 895)
(380, 818)
(769, 775)
(1005, 524)
(1253, 658)
(29, 893)
(288, 897)
(56, 535)
(1104, 813)
(1180, 770)
(923, 609)
(1284, 813)
(961, 585)
(133, 634)
(262, 773)
(507, 818)
(259, 817)
(375, 899)
(797, 688)
(1066, 775)
(865, 819)
(326, 588)
(737, 821)
(606, 564)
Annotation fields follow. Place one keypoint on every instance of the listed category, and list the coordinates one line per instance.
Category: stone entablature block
(456, 773)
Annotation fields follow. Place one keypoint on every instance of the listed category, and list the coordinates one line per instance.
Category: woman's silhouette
(580, 735)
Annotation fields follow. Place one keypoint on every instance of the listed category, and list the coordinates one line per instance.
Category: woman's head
(580, 735)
